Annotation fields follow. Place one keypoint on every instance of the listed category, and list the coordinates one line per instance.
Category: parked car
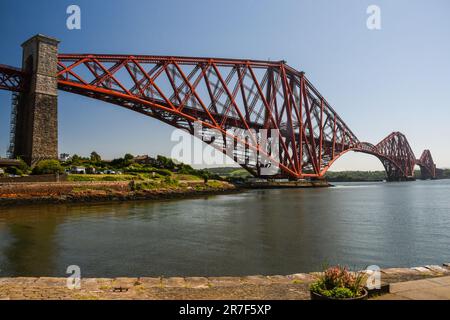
(78, 170)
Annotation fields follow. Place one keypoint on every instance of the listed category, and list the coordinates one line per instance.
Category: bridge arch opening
(362, 166)
(356, 161)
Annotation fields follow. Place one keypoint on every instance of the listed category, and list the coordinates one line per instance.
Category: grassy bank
(96, 191)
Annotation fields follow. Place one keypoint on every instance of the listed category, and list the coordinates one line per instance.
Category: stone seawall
(294, 286)
(34, 178)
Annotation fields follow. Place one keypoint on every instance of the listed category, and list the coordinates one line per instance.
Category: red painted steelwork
(227, 94)
(427, 166)
(233, 94)
(397, 156)
(12, 79)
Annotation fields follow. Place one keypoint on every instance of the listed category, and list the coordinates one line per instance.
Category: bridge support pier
(399, 179)
(36, 132)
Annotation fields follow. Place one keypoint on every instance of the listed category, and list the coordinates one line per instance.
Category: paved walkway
(428, 282)
(425, 289)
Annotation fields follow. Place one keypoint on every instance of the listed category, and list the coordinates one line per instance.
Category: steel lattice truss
(223, 95)
(396, 155)
(12, 79)
(427, 166)
(231, 96)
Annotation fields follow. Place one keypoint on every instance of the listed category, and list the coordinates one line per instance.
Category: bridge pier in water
(36, 123)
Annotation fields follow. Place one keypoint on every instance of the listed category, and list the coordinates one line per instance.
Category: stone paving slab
(97, 284)
(412, 285)
(398, 270)
(50, 282)
(426, 289)
(390, 296)
(422, 269)
(420, 295)
(279, 279)
(445, 281)
(301, 277)
(150, 282)
(223, 281)
(441, 292)
(174, 282)
(197, 282)
(436, 268)
(258, 280)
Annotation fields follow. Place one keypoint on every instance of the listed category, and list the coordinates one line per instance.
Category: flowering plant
(339, 283)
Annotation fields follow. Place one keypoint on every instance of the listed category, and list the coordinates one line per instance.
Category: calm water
(257, 232)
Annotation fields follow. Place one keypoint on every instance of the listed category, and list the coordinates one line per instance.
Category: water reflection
(257, 232)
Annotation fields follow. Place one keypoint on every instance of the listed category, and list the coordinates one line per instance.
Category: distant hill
(349, 176)
(332, 176)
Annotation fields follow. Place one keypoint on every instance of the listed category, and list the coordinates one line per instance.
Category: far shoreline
(68, 192)
(14, 194)
(18, 194)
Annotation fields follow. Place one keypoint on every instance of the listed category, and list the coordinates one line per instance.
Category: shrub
(342, 293)
(48, 167)
(14, 170)
(338, 282)
(186, 169)
(168, 180)
(165, 163)
(138, 168)
(144, 185)
(112, 178)
(22, 166)
(215, 184)
(163, 172)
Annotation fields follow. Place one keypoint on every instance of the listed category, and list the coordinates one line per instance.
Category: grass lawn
(101, 177)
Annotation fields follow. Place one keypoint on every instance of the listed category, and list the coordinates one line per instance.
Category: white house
(78, 170)
(64, 157)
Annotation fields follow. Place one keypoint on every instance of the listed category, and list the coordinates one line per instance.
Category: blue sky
(379, 81)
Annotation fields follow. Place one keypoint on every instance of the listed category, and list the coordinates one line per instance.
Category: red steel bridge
(225, 94)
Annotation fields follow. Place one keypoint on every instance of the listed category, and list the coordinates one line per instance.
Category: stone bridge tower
(36, 133)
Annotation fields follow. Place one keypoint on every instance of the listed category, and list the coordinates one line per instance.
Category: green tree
(14, 170)
(95, 157)
(48, 167)
(76, 159)
(22, 166)
(128, 157)
(165, 163)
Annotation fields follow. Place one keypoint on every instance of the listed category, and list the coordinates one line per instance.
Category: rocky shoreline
(294, 286)
(31, 193)
(89, 192)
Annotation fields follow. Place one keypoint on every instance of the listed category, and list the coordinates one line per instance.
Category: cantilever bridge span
(226, 94)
